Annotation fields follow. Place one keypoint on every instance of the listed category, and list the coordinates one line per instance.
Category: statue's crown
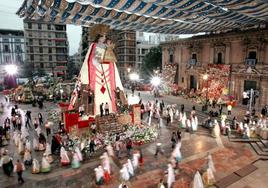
(99, 29)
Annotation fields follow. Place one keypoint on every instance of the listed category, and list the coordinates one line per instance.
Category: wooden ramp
(228, 180)
(246, 170)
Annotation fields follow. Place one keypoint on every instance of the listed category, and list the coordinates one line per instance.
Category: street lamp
(156, 81)
(134, 76)
(11, 69)
(205, 78)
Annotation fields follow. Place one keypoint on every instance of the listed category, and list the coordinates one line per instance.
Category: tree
(151, 61)
(40, 72)
(72, 70)
(27, 70)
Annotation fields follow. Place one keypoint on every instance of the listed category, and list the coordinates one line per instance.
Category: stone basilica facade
(245, 53)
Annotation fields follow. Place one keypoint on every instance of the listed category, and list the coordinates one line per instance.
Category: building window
(6, 49)
(41, 50)
(49, 35)
(182, 79)
(170, 58)
(40, 42)
(219, 58)
(49, 42)
(250, 84)
(30, 41)
(18, 49)
(48, 27)
(50, 58)
(39, 26)
(194, 56)
(29, 25)
(252, 55)
(31, 49)
(49, 50)
(32, 57)
(41, 58)
(41, 65)
(7, 59)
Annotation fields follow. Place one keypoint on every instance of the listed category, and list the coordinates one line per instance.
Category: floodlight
(11, 69)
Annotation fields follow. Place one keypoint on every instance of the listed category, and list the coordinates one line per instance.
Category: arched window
(219, 58)
(170, 58)
(194, 56)
(252, 55)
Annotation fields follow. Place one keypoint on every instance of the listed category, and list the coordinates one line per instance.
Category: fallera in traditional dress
(130, 168)
(35, 144)
(75, 161)
(48, 153)
(64, 157)
(171, 176)
(27, 159)
(28, 145)
(198, 182)
(124, 173)
(99, 175)
(7, 164)
(45, 168)
(21, 147)
(36, 167)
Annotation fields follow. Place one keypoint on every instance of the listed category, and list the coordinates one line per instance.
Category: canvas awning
(159, 16)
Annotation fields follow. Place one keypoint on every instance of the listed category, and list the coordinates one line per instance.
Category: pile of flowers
(141, 134)
(53, 115)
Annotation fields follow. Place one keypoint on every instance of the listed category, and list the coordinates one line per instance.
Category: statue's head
(100, 38)
(99, 32)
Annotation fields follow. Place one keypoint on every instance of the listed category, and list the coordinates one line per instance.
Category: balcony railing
(192, 62)
(251, 62)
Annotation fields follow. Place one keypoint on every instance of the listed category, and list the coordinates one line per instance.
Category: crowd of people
(35, 135)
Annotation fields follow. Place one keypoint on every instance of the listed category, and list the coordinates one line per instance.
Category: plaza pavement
(228, 157)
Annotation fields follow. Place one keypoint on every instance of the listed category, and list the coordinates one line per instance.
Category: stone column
(211, 56)
(227, 54)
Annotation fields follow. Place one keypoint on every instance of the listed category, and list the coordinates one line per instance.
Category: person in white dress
(99, 172)
(130, 167)
(197, 183)
(28, 145)
(45, 167)
(106, 162)
(36, 167)
(48, 153)
(110, 150)
(171, 115)
(193, 123)
(135, 160)
(211, 163)
(176, 154)
(79, 154)
(150, 116)
(177, 114)
(171, 176)
(124, 173)
(64, 157)
(216, 130)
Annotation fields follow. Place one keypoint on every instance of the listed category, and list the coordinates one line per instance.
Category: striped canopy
(158, 16)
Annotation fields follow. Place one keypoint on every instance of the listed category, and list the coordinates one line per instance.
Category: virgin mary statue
(99, 72)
